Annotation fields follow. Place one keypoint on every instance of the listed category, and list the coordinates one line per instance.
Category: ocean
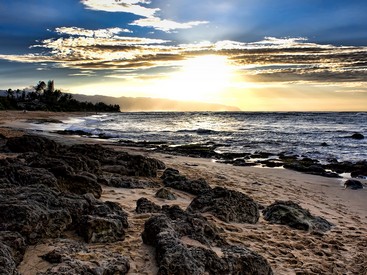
(318, 135)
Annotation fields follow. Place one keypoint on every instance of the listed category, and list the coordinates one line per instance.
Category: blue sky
(130, 45)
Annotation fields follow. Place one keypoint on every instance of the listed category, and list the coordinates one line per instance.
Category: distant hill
(136, 104)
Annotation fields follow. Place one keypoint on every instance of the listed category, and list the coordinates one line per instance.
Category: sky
(257, 55)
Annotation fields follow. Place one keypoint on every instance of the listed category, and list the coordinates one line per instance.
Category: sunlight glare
(201, 78)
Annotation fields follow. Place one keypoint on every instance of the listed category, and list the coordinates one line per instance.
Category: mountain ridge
(136, 104)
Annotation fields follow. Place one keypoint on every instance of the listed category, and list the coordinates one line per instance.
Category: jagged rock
(29, 211)
(105, 223)
(31, 143)
(7, 262)
(182, 223)
(74, 258)
(173, 256)
(15, 242)
(172, 178)
(227, 205)
(81, 184)
(96, 229)
(353, 184)
(166, 194)
(293, 215)
(144, 205)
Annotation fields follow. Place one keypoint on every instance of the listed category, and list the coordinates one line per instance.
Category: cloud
(268, 61)
(165, 25)
(150, 18)
(100, 33)
(128, 6)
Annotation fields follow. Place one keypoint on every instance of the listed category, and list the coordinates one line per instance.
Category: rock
(29, 211)
(96, 229)
(227, 205)
(7, 262)
(70, 257)
(357, 136)
(81, 184)
(173, 256)
(353, 184)
(182, 223)
(166, 194)
(309, 167)
(31, 143)
(143, 205)
(15, 242)
(293, 215)
(172, 178)
(324, 144)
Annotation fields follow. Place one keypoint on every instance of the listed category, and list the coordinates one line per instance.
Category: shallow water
(245, 132)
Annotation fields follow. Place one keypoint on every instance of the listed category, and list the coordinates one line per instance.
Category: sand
(342, 250)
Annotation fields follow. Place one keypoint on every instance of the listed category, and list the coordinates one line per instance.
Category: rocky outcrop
(144, 205)
(31, 143)
(172, 178)
(353, 184)
(227, 205)
(166, 194)
(165, 233)
(74, 258)
(293, 215)
(50, 188)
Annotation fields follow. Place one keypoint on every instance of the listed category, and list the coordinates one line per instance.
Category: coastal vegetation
(44, 97)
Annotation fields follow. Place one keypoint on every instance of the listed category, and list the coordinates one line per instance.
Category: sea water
(316, 135)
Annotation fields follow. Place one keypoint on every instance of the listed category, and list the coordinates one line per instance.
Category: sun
(201, 78)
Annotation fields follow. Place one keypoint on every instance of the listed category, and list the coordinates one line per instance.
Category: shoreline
(288, 251)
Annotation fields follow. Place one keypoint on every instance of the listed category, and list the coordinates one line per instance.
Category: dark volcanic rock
(15, 242)
(31, 143)
(293, 215)
(70, 257)
(81, 184)
(144, 205)
(357, 136)
(310, 168)
(96, 229)
(172, 178)
(166, 194)
(182, 223)
(173, 256)
(7, 262)
(227, 205)
(353, 184)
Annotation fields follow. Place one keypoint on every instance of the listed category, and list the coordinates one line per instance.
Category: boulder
(353, 184)
(31, 143)
(293, 215)
(96, 229)
(172, 178)
(173, 256)
(144, 205)
(357, 136)
(166, 194)
(227, 205)
(81, 184)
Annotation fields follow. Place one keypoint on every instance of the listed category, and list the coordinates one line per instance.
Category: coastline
(288, 251)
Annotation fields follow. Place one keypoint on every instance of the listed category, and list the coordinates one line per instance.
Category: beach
(340, 250)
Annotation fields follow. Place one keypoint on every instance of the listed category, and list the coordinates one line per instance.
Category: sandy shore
(342, 250)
